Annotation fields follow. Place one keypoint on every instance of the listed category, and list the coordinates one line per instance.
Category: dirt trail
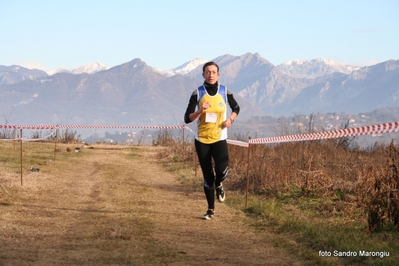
(81, 214)
(223, 240)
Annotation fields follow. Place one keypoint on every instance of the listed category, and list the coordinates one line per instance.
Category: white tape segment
(238, 143)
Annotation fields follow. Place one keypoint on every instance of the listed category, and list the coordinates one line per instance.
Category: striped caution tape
(83, 127)
(348, 132)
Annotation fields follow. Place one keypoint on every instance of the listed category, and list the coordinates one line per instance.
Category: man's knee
(223, 174)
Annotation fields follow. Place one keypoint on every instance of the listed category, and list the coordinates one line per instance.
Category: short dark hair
(210, 63)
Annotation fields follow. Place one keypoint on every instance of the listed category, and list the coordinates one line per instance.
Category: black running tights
(219, 153)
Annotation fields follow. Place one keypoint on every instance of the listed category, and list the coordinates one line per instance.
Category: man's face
(211, 74)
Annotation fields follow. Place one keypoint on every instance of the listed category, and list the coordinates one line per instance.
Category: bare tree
(7, 134)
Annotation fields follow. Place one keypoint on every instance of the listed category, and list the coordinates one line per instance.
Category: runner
(210, 100)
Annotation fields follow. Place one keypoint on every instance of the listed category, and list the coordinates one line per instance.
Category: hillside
(134, 93)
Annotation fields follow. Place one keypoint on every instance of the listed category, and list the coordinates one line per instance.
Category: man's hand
(205, 106)
(228, 123)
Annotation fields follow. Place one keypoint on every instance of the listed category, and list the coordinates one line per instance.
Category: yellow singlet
(210, 122)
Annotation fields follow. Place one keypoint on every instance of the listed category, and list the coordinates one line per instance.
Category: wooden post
(195, 164)
(55, 150)
(247, 183)
(22, 183)
(183, 140)
(55, 143)
(14, 135)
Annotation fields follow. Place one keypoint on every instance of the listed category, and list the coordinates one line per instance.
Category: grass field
(330, 201)
(130, 205)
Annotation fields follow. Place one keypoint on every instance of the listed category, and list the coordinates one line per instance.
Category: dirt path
(115, 207)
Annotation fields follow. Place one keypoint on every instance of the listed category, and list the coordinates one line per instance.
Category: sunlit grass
(305, 195)
(110, 228)
(312, 231)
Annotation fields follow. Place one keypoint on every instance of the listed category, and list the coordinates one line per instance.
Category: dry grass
(320, 169)
(321, 195)
(115, 205)
(74, 211)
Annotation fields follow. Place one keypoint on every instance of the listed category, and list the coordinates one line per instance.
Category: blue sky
(49, 34)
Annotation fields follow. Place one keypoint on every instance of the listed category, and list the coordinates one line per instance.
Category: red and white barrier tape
(83, 127)
(348, 132)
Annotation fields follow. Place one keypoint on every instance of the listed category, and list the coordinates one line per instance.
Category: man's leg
(205, 160)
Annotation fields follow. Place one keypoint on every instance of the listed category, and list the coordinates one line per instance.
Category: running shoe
(220, 193)
(208, 215)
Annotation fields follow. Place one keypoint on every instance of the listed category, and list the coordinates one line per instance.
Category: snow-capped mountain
(183, 69)
(89, 68)
(135, 93)
(16, 74)
(314, 68)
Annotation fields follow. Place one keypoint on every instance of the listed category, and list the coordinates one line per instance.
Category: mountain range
(134, 93)
(89, 68)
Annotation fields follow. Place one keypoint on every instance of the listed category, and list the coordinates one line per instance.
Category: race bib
(210, 117)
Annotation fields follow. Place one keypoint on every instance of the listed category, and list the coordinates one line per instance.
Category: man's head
(210, 72)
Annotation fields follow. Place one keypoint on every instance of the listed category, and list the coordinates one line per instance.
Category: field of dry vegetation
(323, 194)
(320, 202)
